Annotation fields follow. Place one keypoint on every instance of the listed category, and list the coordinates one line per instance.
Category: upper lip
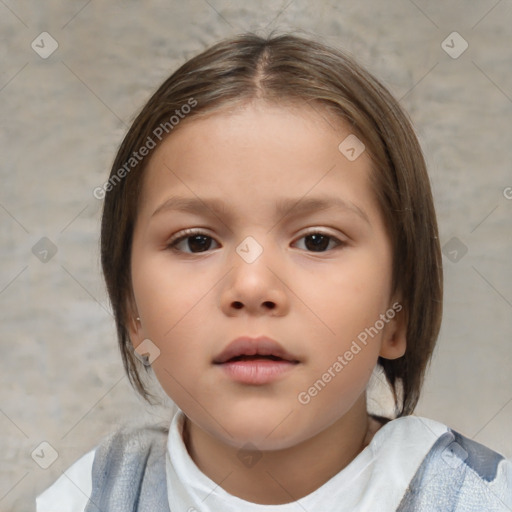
(247, 346)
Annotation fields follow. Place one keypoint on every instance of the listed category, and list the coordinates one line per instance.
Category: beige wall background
(64, 114)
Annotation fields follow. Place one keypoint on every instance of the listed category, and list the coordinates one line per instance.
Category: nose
(256, 288)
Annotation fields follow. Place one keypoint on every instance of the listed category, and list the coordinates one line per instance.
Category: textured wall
(63, 115)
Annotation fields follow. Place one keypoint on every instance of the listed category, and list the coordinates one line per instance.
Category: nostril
(267, 304)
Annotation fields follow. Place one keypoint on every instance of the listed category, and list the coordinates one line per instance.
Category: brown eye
(192, 243)
(198, 243)
(319, 242)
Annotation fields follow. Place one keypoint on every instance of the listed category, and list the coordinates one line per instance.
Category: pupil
(319, 242)
(198, 243)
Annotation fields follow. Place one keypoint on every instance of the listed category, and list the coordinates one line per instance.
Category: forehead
(258, 155)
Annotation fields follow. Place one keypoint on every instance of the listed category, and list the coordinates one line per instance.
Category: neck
(282, 476)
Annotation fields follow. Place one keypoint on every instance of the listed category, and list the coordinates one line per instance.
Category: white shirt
(374, 481)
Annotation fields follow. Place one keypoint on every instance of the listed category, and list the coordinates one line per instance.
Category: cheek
(352, 296)
(167, 296)
(337, 385)
(170, 305)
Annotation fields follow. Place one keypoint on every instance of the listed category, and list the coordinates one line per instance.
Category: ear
(134, 325)
(394, 337)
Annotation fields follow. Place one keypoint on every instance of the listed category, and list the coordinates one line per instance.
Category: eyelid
(320, 231)
(182, 235)
(185, 233)
(340, 241)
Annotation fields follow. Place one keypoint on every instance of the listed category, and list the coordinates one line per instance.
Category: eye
(194, 240)
(316, 241)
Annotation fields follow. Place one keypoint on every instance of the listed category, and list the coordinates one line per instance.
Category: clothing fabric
(460, 475)
(129, 473)
(411, 464)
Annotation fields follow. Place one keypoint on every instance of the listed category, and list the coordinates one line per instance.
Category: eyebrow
(285, 206)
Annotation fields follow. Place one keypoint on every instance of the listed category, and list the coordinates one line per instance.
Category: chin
(265, 432)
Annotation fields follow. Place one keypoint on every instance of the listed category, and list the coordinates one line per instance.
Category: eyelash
(188, 233)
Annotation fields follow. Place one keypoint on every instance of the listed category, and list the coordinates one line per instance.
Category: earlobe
(134, 323)
(135, 330)
(394, 339)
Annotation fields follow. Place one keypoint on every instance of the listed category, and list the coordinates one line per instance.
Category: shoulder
(461, 473)
(129, 447)
(72, 491)
(397, 450)
(406, 433)
(130, 468)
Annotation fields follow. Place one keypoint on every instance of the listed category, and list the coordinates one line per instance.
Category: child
(241, 163)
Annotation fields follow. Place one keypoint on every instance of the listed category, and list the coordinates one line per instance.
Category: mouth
(255, 361)
(256, 357)
(254, 349)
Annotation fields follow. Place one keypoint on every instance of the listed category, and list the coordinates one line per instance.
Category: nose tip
(255, 287)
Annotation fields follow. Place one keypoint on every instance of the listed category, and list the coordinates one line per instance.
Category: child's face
(313, 295)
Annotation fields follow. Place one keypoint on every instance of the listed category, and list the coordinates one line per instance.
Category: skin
(313, 302)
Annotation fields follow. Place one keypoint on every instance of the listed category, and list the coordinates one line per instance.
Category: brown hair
(290, 68)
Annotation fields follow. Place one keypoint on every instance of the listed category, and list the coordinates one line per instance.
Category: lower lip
(257, 371)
